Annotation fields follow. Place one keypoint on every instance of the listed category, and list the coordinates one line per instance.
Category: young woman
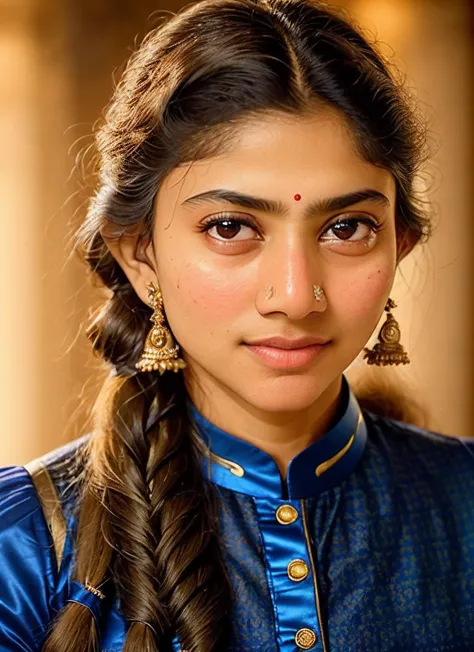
(255, 196)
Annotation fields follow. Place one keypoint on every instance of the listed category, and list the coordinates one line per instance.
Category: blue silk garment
(367, 546)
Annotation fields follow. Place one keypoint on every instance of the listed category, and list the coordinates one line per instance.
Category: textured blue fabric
(388, 542)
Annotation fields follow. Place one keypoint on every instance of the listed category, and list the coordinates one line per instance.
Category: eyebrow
(316, 207)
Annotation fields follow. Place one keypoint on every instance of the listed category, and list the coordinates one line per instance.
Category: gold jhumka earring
(160, 352)
(388, 349)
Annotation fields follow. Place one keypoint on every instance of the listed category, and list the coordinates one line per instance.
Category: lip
(280, 358)
(287, 343)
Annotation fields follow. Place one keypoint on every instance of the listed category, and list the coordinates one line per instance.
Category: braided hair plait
(128, 500)
(182, 513)
(188, 558)
(163, 520)
(147, 510)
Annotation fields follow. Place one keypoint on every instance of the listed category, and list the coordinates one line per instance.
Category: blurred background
(58, 63)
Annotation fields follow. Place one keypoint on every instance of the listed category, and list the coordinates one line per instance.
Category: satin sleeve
(28, 571)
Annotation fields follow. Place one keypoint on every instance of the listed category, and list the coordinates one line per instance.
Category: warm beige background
(57, 59)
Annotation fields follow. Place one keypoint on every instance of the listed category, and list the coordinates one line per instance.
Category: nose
(293, 274)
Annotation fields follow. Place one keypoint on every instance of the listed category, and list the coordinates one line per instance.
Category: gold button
(305, 638)
(297, 570)
(286, 514)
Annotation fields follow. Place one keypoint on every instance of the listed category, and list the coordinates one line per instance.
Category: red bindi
(297, 197)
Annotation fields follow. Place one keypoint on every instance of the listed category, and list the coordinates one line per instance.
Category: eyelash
(229, 218)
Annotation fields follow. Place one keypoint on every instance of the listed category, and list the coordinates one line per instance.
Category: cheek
(364, 297)
(207, 296)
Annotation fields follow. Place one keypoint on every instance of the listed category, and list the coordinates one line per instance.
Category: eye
(228, 228)
(351, 230)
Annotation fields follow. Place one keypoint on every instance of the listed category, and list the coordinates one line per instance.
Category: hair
(148, 520)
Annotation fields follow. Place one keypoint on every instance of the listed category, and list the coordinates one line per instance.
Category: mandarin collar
(238, 465)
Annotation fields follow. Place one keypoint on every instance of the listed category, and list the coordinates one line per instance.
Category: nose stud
(269, 292)
(318, 292)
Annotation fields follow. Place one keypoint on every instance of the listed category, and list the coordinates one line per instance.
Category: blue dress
(367, 546)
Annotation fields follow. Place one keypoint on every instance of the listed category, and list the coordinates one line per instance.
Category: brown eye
(351, 230)
(345, 230)
(229, 229)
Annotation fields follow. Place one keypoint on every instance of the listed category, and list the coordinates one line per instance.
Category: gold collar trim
(239, 471)
(325, 466)
(233, 467)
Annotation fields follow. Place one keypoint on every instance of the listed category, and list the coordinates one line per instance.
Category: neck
(282, 435)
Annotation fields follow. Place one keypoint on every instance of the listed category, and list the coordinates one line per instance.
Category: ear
(135, 254)
(406, 242)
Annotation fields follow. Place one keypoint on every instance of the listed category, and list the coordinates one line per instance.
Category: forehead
(277, 155)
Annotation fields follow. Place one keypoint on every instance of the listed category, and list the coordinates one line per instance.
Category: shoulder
(35, 501)
(407, 434)
(419, 452)
(56, 477)
(58, 472)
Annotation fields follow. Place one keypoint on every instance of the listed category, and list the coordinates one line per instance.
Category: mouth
(286, 358)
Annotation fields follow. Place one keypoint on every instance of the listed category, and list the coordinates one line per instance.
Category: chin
(288, 394)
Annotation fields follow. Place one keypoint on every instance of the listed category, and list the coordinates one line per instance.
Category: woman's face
(214, 278)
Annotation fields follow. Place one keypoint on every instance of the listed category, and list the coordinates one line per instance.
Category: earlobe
(132, 253)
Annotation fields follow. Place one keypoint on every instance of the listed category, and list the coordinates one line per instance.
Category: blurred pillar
(37, 381)
(20, 195)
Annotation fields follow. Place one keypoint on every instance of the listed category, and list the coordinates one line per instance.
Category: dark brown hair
(148, 526)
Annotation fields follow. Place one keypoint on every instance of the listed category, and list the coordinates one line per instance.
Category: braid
(147, 510)
(188, 556)
(130, 511)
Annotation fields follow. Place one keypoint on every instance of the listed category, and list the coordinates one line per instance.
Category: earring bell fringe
(388, 350)
(160, 351)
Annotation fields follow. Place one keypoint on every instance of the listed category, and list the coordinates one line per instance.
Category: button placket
(289, 573)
